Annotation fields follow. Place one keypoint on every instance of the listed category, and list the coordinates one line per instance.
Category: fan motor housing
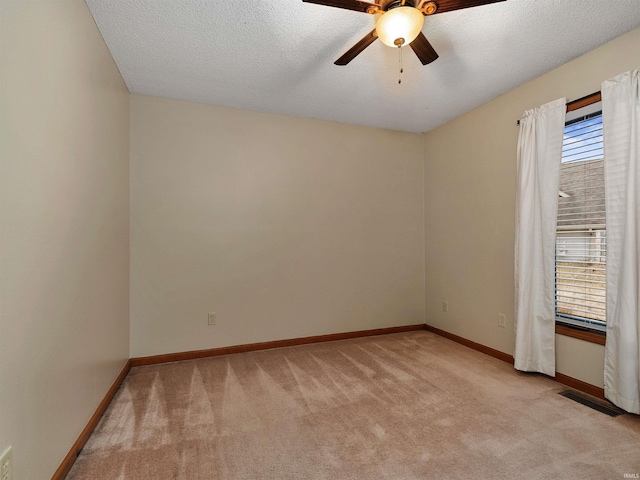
(398, 3)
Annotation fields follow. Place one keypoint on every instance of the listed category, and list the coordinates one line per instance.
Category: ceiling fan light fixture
(399, 26)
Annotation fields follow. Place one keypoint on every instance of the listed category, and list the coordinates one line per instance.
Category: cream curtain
(539, 156)
(621, 123)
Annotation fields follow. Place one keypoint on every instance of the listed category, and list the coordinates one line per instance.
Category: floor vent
(588, 402)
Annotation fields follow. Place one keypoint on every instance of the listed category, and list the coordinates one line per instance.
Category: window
(581, 236)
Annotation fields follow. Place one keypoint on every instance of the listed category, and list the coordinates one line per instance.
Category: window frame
(565, 324)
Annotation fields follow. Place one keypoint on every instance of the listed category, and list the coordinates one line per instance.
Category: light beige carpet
(404, 406)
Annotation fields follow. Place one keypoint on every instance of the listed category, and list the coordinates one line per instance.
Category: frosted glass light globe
(399, 26)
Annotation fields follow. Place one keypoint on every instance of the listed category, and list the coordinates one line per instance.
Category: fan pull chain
(400, 63)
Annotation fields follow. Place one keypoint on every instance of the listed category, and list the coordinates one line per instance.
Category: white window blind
(581, 230)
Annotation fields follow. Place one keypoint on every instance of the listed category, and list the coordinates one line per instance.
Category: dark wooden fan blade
(354, 51)
(449, 5)
(356, 5)
(423, 49)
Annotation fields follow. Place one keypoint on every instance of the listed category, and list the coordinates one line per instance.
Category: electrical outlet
(502, 320)
(445, 306)
(212, 319)
(5, 465)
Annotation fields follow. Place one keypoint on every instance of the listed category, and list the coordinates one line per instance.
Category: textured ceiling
(277, 55)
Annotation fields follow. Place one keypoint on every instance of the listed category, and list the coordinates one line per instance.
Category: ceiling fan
(400, 23)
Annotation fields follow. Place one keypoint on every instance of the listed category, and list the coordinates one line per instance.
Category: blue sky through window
(583, 140)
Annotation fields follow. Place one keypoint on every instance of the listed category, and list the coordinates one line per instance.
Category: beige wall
(470, 178)
(284, 227)
(64, 228)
